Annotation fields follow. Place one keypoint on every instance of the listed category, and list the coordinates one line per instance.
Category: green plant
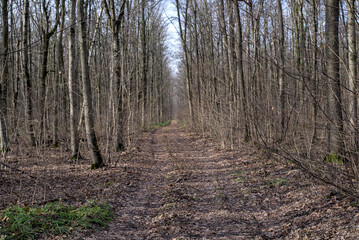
(278, 181)
(110, 183)
(161, 124)
(168, 205)
(236, 172)
(182, 123)
(95, 166)
(239, 179)
(18, 222)
(333, 158)
(54, 145)
(194, 197)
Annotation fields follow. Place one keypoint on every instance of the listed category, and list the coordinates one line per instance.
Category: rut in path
(186, 188)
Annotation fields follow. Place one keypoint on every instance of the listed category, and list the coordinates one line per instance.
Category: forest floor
(179, 186)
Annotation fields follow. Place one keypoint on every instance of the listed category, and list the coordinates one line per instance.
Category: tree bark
(4, 75)
(58, 75)
(183, 36)
(115, 103)
(47, 33)
(72, 83)
(353, 97)
(281, 79)
(96, 157)
(26, 71)
(335, 122)
(315, 69)
(144, 64)
(240, 74)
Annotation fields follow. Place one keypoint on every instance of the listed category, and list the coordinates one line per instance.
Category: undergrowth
(333, 158)
(18, 222)
(161, 124)
(182, 123)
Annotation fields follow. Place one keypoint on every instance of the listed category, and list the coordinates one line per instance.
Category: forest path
(189, 189)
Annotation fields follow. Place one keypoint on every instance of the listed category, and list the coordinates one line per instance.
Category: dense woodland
(72, 70)
(281, 75)
(179, 119)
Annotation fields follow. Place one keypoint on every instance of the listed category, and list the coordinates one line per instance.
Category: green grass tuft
(161, 124)
(236, 172)
(333, 158)
(278, 181)
(110, 183)
(52, 219)
(182, 123)
(239, 179)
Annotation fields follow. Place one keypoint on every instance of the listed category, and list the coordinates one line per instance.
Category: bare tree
(335, 123)
(114, 20)
(72, 82)
(183, 36)
(353, 99)
(4, 75)
(240, 74)
(47, 32)
(281, 78)
(315, 65)
(26, 71)
(96, 157)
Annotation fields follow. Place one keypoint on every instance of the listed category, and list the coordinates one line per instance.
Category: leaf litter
(179, 186)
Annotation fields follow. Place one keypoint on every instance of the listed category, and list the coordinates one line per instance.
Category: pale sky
(173, 42)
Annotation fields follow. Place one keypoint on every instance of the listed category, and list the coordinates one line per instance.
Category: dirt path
(186, 188)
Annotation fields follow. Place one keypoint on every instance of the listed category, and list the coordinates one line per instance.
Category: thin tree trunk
(115, 101)
(198, 67)
(315, 69)
(280, 70)
(144, 64)
(353, 102)
(58, 75)
(96, 157)
(47, 34)
(72, 83)
(4, 75)
(183, 36)
(27, 76)
(240, 74)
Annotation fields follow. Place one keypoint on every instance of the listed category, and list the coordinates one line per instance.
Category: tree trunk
(315, 69)
(183, 36)
(115, 101)
(72, 83)
(240, 74)
(4, 75)
(47, 34)
(27, 76)
(58, 75)
(144, 64)
(281, 79)
(96, 157)
(353, 97)
(335, 121)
